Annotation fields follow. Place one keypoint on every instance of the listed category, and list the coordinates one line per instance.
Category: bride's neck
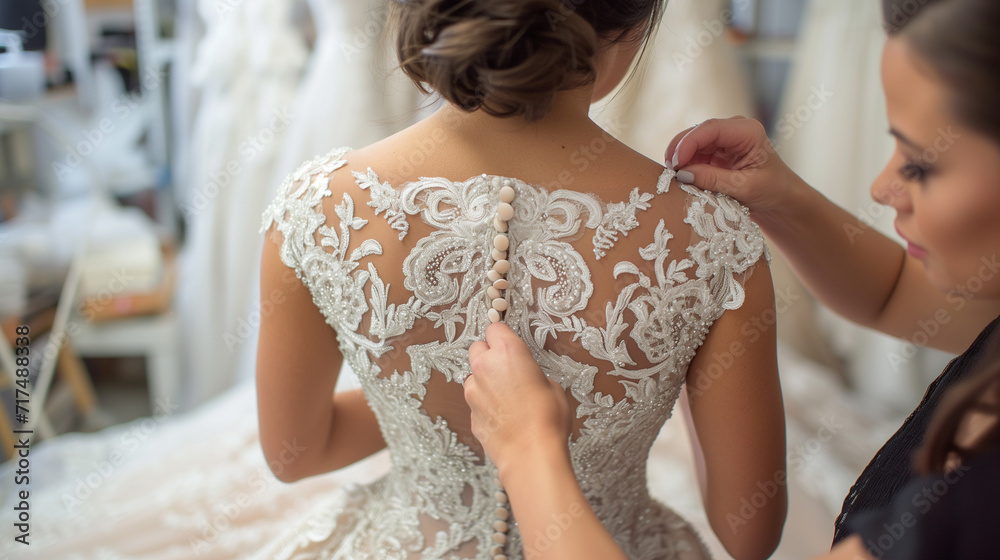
(569, 115)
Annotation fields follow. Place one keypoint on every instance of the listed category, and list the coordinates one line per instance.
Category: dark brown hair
(980, 394)
(959, 40)
(510, 57)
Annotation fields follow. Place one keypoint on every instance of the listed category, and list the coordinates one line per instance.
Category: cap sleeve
(726, 244)
(297, 210)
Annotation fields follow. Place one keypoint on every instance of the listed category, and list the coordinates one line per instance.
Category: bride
(509, 204)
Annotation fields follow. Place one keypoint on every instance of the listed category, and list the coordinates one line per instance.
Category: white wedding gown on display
(246, 70)
(689, 72)
(612, 302)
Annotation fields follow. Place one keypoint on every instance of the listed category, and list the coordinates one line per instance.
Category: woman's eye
(913, 171)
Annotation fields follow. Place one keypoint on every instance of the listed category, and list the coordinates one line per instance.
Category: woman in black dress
(933, 490)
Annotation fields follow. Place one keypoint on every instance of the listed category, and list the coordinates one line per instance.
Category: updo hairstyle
(510, 57)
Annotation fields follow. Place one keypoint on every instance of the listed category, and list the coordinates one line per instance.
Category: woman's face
(943, 180)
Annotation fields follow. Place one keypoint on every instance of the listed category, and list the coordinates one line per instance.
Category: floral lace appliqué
(437, 501)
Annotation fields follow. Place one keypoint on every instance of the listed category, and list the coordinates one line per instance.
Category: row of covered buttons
(501, 243)
(498, 304)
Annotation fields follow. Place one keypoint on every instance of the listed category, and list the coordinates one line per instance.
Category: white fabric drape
(260, 105)
(245, 69)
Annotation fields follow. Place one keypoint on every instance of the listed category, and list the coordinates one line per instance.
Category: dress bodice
(613, 300)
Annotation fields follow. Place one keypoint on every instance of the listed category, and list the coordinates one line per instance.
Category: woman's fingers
(477, 348)
(668, 155)
(712, 178)
(498, 333)
(731, 139)
(736, 158)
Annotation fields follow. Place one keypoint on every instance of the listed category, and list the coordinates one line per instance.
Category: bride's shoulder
(322, 165)
(327, 174)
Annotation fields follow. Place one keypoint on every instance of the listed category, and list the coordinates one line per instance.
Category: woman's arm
(739, 424)
(305, 429)
(523, 421)
(851, 268)
(554, 517)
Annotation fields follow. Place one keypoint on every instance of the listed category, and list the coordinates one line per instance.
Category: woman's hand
(523, 421)
(734, 157)
(516, 410)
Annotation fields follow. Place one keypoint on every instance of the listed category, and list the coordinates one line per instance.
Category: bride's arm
(738, 416)
(305, 429)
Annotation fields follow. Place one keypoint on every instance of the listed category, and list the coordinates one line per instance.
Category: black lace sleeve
(954, 515)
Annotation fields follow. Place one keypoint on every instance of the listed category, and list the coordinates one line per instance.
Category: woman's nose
(890, 189)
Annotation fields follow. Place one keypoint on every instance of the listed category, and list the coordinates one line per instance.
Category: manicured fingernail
(669, 163)
(673, 161)
(685, 177)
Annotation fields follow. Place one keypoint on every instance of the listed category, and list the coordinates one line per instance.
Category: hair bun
(506, 57)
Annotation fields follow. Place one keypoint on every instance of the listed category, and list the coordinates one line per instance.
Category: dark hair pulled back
(510, 57)
(960, 41)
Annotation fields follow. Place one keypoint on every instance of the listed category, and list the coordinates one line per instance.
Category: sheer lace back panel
(613, 298)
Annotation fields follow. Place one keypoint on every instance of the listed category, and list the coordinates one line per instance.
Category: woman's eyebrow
(902, 138)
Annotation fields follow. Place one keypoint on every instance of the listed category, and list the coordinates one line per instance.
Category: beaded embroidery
(501, 249)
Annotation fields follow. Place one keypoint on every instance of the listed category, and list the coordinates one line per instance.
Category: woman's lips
(915, 251)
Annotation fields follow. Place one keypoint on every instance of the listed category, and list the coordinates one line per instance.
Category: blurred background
(140, 141)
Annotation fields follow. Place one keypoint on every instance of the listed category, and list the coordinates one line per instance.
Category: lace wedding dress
(612, 302)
